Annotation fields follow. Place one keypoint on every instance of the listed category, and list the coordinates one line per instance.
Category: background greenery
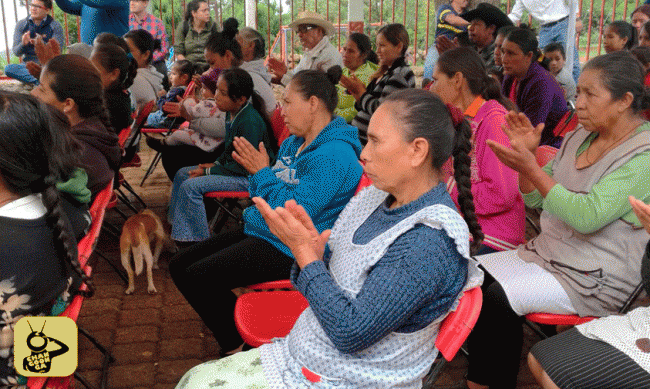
(408, 12)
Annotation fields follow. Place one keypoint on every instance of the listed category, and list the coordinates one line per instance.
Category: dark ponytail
(322, 85)
(144, 41)
(76, 78)
(240, 84)
(448, 135)
(467, 61)
(112, 57)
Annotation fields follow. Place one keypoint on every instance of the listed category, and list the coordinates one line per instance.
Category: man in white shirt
(313, 30)
(553, 16)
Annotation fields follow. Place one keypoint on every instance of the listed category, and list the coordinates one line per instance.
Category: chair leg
(122, 197)
(152, 167)
(430, 378)
(128, 187)
(108, 359)
(119, 271)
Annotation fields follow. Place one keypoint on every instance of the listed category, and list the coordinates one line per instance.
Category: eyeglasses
(305, 28)
(32, 5)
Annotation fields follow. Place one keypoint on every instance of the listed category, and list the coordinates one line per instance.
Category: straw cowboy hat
(307, 17)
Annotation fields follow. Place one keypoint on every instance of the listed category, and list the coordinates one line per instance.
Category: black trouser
(206, 272)
(496, 341)
(176, 157)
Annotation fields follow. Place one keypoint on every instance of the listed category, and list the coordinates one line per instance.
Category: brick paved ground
(157, 338)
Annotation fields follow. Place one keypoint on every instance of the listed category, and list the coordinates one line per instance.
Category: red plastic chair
(567, 123)
(85, 249)
(262, 316)
(454, 330)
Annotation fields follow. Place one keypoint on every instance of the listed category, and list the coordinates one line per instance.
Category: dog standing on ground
(138, 233)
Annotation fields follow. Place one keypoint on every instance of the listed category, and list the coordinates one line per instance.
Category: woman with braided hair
(38, 260)
(460, 79)
(73, 85)
(382, 280)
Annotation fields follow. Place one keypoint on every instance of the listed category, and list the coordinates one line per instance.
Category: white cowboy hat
(307, 17)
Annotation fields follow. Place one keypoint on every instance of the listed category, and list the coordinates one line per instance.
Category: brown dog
(138, 233)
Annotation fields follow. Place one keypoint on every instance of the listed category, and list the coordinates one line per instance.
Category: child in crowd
(619, 35)
(207, 138)
(245, 117)
(554, 52)
(180, 77)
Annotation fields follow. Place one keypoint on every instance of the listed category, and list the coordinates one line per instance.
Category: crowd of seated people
(452, 167)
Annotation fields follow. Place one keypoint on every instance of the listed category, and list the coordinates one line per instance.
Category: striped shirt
(399, 76)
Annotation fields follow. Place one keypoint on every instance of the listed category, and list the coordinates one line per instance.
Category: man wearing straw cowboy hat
(314, 31)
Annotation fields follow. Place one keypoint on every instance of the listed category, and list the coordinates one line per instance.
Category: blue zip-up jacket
(322, 178)
(98, 16)
(49, 28)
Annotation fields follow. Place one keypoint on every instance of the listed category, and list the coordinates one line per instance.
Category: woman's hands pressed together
(252, 159)
(293, 226)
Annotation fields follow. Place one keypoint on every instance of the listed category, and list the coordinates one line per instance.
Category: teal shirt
(248, 124)
(606, 201)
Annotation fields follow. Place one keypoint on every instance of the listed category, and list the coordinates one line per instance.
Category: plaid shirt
(156, 28)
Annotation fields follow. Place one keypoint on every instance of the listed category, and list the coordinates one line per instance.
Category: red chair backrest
(544, 154)
(86, 245)
(190, 89)
(127, 135)
(280, 131)
(458, 324)
(567, 123)
(363, 182)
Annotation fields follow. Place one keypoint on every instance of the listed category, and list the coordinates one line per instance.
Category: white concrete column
(355, 15)
(250, 14)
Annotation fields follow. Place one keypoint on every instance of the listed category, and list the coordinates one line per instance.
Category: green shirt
(606, 201)
(345, 108)
(192, 44)
(248, 124)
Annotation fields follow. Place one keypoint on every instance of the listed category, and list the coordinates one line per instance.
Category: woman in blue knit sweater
(382, 280)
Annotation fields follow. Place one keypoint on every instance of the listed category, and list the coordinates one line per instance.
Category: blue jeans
(430, 62)
(186, 208)
(19, 72)
(558, 33)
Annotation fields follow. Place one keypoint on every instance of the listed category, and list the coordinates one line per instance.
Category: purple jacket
(541, 98)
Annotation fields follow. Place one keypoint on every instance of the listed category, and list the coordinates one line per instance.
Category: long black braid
(37, 152)
(462, 175)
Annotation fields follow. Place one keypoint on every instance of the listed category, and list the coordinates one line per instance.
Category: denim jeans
(430, 62)
(186, 208)
(19, 72)
(558, 33)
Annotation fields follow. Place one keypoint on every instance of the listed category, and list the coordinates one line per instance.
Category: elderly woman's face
(295, 111)
(594, 106)
(386, 155)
